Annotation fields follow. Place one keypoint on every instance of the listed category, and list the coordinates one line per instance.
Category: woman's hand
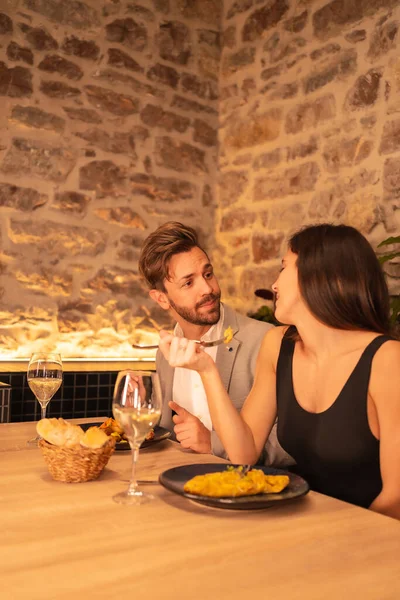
(181, 352)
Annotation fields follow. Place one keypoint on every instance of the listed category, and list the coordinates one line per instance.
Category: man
(182, 281)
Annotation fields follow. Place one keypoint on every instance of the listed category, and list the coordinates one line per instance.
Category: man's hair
(340, 278)
(160, 246)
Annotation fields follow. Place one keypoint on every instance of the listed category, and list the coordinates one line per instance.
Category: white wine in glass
(137, 408)
(44, 378)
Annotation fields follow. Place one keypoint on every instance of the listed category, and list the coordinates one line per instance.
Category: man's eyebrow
(189, 275)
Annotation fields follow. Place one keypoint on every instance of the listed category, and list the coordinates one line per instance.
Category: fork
(205, 344)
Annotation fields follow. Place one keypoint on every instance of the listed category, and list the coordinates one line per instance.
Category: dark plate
(174, 480)
(160, 434)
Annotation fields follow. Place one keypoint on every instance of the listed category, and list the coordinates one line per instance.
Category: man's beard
(191, 315)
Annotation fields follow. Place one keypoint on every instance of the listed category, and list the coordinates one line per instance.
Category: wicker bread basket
(77, 464)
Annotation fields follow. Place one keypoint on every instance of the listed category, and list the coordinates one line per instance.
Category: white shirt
(188, 390)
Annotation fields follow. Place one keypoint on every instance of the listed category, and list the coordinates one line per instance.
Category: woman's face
(286, 288)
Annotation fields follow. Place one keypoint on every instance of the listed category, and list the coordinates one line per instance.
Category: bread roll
(60, 432)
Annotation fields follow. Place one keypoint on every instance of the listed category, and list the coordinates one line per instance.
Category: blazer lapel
(226, 353)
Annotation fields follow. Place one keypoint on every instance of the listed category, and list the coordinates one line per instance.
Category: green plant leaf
(386, 257)
(395, 306)
(390, 240)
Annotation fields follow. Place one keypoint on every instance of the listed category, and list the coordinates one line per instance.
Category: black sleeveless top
(335, 450)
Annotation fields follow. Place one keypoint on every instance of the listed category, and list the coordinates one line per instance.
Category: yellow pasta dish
(228, 335)
(233, 483)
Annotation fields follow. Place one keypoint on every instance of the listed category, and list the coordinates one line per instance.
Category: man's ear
(160, 297)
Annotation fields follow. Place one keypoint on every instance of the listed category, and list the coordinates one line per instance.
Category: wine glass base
(34, 441)
(133, 499)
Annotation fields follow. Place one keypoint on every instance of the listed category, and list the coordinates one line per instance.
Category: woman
(331, 375)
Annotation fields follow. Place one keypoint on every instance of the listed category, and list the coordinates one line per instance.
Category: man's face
(192, 290)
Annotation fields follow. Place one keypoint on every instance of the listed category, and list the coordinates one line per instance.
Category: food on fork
(232, 483)
(228, 335)
(112, 428)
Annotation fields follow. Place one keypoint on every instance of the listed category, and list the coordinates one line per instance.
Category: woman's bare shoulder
(272, 341)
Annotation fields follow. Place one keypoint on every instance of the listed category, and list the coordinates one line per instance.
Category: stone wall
(309, 129)
(108, 128)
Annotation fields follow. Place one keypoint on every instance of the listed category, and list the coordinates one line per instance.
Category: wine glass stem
(133, 483)
(43, 411)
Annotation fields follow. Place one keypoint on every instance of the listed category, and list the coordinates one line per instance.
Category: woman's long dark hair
(340, 278)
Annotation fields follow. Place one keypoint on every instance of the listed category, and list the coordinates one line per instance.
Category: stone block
(117, 281)
(254, 130)
(204, 133)
(163, 189)
(104, 177)
(179, 156)
(390, 141)
(128, 33)
(207, 198)
(335, 16)
(38, 159)
(71, 203)
(327, 50)
(267, 74)
(303, 149)
(161, 5)
(115, 78)
(58, 89)
(87, 115)
(383, 40)
(37, 118)
(117, 142)
(52, 63)
(204, 88)
(337, 68)
(174, 42)
(119, 59)
(192, 106)
(263, 19)
(296, 180)
(74, 13)
(229, 37)
(44, 281)
(121, 215)
(56, 239)
(164, 74)
(236, 219)
(391, 178)
(21, 198)
(238, 7)
(87, 49)
(268, 160)
(16, 52)
(6, 24)
(254, 278)
(38, 37)
(209, 11)
(15, 82)
(231, 186)
(297, 23)
(266, 246)
(286, 216)
(140, 13)
(239, 60)
(346, 153)
(286, 90)
(155, 116)
(358, 35)
(310, 114)
(364, 92)
(117, 104)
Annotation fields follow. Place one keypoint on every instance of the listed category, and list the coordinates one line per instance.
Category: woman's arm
(242, 435)
(385, 393)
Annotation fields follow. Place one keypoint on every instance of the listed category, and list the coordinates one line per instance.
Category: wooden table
(62, 541)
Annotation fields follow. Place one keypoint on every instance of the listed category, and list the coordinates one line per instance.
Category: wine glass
(137, 408)
(44, 378)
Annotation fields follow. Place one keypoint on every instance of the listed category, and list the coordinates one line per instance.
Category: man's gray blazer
(236, 364)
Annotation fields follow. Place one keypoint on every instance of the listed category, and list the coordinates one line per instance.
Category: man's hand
(190, 431)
